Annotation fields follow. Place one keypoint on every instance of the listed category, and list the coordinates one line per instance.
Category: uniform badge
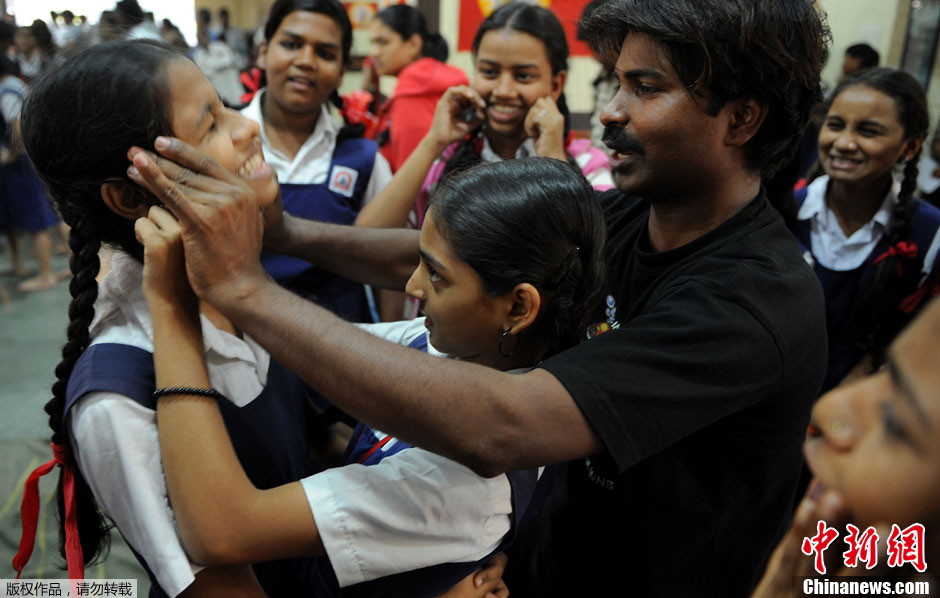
(343, 180)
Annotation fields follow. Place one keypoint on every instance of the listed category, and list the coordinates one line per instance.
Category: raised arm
(207, 484)
(491, 421)
(391, 206)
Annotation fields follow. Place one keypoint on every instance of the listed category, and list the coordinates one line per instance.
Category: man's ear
(747, 116)
(525, 302)
(124, 199)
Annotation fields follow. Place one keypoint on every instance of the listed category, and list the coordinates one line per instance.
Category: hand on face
(219, 213)
(546, 125)
(788, 560)
(459, 111)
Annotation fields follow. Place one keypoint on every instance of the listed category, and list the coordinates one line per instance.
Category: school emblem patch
(343, 180)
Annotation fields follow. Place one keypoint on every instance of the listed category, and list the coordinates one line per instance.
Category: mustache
(620, 141)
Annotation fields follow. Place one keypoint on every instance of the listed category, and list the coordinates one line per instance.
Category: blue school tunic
(269, 435)
(338, 200)
(843, 289)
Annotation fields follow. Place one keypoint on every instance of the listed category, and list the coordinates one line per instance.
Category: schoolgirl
(102, 417)
(521, 58)
(509, 256)
(326, 172)
(868, 238)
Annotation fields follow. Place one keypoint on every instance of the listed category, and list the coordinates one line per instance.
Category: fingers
(493, 569)
(184, 154)
(145, 171)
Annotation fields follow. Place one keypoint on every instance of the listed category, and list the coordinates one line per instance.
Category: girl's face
(389, 51)
(200, 119)
(24, 41)
(876, 440)
(862, 137)
(462, 320)
(512, 72)
(303, 62)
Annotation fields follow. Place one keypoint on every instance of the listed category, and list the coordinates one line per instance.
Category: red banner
(472, 13)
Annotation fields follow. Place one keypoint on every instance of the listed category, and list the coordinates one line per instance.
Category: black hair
(131, 12)
(541, 24)
(879, 317)
(73, 159)
(866, 55)
(533, 220)
(7, 32)
(334, 10)
(406, 21)
(43, 38)
(768, 51)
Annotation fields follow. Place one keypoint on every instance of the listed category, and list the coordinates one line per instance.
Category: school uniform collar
(325, 131)
(526, 150)
(121, 302)
(815, 209)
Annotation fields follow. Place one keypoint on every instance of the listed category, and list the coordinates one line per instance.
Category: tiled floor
(32, 331)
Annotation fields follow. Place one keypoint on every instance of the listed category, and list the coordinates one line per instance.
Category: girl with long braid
(868, 238)
(103, 413)
(326, 172)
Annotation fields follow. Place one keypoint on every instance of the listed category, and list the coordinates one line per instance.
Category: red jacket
(408, 113)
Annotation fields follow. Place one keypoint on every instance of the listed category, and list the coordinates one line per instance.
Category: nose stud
(852, 146)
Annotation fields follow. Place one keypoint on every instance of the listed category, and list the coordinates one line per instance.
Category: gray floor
(32, 331)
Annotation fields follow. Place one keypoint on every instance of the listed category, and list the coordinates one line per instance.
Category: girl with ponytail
(868, 238)
(403, 47)
(326, 172)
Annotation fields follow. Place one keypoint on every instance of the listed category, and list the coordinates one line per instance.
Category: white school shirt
(311, 165)
(432, 509)
(831, 248)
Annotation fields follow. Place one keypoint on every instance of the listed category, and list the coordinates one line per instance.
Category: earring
(502, 338)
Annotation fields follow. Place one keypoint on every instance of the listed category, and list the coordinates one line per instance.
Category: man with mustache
(680, 421)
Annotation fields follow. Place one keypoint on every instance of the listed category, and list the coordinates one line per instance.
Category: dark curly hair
(770, 51)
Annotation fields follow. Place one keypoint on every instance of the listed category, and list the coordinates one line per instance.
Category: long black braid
(893, 278)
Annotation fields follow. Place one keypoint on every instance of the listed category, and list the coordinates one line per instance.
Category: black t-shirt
(701, 369)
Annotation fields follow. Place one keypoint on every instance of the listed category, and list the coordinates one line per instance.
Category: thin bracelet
(188, 390)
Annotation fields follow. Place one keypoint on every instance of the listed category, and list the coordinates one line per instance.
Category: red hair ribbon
(29, 512)
(913, 301)
(356, 111)
(251, 79)
(906, 249)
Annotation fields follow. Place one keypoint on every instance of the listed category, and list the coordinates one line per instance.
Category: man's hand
(219, 214)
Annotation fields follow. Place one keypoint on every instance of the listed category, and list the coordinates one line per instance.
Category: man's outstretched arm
(489, 420)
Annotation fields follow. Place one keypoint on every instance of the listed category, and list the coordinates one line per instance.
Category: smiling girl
(102, 418)
(326, 172)
(874, 450)
(869, 240)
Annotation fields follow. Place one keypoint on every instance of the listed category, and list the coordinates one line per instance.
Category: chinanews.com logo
(904, 548)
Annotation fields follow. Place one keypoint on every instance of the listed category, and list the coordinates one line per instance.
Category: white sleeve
(381, 175)
(118, 451)
(930, 257)
(401, 332)
(430, 509)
